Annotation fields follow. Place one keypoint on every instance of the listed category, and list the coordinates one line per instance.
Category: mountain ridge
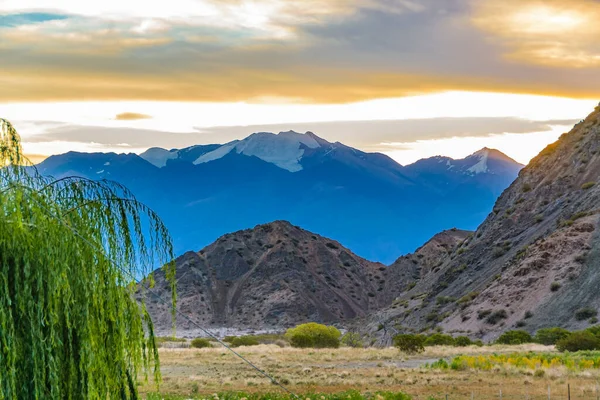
(335, 189)
(532, 263)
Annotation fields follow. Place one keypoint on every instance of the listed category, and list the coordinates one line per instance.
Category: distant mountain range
(376, 207)
(533, 263)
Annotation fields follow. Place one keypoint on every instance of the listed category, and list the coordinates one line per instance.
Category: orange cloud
(131, 116)
(555, 33)
(230, 84)
(332, 51)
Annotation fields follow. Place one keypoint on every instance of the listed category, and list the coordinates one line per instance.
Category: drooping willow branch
(70, 250)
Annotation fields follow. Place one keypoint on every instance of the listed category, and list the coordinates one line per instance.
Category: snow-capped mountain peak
(489, 160)
(284, 149)
(481, 167)
(158, 156)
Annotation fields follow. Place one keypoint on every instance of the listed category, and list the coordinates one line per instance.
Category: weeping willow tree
(70, 249)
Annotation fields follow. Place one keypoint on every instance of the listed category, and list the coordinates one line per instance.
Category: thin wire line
(210, 334)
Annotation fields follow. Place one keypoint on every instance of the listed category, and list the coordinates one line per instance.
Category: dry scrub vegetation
(199, 372)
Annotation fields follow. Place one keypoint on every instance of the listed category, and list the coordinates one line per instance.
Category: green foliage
(244, 341)
(314, 335)
(462, 341)
(352, 339)
(585, 313)
(409, 343)
(200, 343)
(466, 299)
(515, 337)
(594, 330)
(443, 300)
(588, 185)
(555, 286)
(440, 364)
(577, 341)
(550, 336)
(496, 317)
(439, 339)
(70, 326)
(580, 361)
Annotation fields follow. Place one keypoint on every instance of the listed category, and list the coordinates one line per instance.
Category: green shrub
(526, 188)
(515, 337)
(200, 343)
(462, 341)
(588, 185)
(555, 286)
(314, 335)
(432, 317)
(352, 339)
(244, 341)
(496, 317)
(585, 313)
(410, 344)
(594, 330)
(443, 300)
(550, 336)
(577, 341)
(439, 339)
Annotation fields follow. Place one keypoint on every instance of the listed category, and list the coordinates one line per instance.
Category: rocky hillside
(407, 270)
(535, 260)
(271, 277)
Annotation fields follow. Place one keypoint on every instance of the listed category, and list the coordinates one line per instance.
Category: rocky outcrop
(535, 260)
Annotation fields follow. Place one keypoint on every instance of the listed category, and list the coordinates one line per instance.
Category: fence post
(569, 388)
(500, 394)
(548, 392)
(472, 396)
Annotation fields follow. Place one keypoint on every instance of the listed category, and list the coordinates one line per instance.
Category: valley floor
(195, 373)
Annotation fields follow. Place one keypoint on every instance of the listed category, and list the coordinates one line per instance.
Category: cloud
(131, 116)
(317, 51)
(365, 135)
(556, 33)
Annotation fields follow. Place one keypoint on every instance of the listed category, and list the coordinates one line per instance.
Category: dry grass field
(196, 373)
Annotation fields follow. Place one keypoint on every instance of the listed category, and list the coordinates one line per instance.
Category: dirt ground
(197, 372)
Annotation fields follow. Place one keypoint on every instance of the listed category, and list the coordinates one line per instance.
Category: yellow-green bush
(314, 335)
(200, 343)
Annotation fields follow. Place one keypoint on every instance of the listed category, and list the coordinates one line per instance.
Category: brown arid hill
(269, 278)
(534, 262)
(407, 270)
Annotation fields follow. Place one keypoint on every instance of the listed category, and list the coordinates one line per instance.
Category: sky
(408, 78)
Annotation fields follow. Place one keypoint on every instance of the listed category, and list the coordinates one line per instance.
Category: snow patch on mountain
(159, 157)
(481, 167)
(284, 150)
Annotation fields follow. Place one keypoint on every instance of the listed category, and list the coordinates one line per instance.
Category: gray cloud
(373, 49)
(365, 135)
